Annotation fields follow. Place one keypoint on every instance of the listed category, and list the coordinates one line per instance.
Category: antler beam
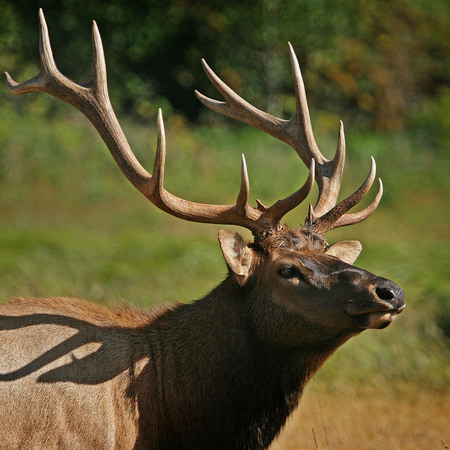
(92, 100)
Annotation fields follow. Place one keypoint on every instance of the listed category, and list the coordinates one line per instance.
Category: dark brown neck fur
(220, 386)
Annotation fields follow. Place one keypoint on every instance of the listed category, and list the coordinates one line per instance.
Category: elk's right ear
(237, 254)
(346, 251)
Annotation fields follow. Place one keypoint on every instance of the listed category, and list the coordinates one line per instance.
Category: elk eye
(288, 272)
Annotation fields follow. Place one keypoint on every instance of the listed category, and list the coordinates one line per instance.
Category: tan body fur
(82, 352)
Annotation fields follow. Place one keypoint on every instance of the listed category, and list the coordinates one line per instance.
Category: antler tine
(240, 214)
(98, 79)
(350, 219)
(328, 173)
(303, 137)
(238, 108)
(331, 177)
(48, 66)
(160, 158)
(335, 218)
(282, 207)
(242, 199)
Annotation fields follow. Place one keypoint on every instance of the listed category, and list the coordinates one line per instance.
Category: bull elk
(224, 371)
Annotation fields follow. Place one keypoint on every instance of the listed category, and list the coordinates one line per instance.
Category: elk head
(297, 276)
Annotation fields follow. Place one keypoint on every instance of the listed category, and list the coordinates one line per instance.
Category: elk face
(306, 293)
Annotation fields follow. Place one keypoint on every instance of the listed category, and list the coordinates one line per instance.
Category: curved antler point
(157, 179)
(96, 32)
(198, 94)
(9, 81)
(42, 20)
(205, 64)
(311, 216)
(380, 188)
(261, 207)
(244, 166)
(294, 62)
(160, 120)
(373, 166)
(242, 199)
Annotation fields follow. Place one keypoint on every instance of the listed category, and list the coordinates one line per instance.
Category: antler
(297, 132)
(92, 100)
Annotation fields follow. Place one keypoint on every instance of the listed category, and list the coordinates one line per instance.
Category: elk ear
(237, 254)
(346, 251)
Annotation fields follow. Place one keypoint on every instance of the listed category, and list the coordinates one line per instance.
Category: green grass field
(71, 225)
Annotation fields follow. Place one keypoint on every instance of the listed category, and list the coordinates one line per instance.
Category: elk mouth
(380, 309)
(375, 318)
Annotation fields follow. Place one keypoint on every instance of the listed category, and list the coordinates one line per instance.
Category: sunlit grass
(368, 418)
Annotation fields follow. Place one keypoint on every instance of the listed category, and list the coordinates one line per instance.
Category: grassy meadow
(72, 225)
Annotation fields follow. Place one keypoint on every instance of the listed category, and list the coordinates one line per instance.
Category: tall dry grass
(406, 418)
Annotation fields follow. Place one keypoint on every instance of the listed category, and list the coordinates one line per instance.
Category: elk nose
(391, 293)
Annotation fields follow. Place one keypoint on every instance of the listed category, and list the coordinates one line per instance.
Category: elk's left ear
(346, 251)
(237, 254)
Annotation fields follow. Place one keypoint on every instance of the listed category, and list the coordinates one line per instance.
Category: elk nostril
(385, 293)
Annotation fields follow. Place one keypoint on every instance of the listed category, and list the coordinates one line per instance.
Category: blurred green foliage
(376, 61)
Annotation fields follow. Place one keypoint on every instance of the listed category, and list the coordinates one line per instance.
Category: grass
(71, 225)
(368, 419)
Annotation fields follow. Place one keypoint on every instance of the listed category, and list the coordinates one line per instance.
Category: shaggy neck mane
(247, 389)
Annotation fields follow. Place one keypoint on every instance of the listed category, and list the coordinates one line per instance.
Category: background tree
(379, 61)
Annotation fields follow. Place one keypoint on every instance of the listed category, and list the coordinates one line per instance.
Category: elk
(224, 371)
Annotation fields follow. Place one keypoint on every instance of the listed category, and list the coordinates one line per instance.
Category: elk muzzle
(379, 309)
